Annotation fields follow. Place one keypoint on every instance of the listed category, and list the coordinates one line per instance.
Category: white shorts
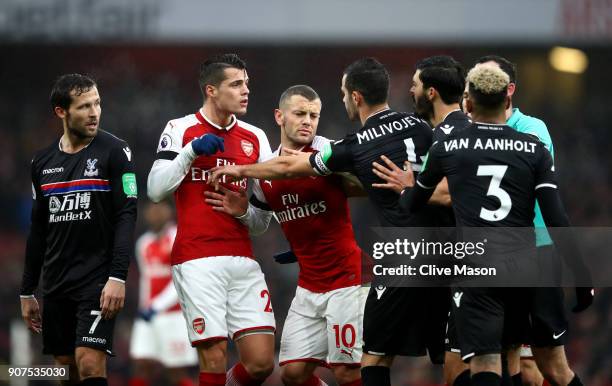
(324, 328)
(164, 339)
(223, 296)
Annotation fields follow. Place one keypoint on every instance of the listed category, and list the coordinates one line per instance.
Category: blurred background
(145, 55)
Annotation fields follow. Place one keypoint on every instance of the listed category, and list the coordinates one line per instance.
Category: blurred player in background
(515, 175)
(159, 335)
(397, 320)
(81, 237)
(221, 288)
(324, 324)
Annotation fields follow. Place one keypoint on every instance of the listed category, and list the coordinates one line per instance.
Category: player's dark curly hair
(507, 66)
(370, 78)
(66, 84)
(444, 74)
(212, 70)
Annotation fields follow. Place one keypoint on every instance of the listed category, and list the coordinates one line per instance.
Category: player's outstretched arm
(273, 169)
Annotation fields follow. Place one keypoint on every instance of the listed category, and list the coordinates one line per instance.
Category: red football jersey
(153, 256)
(203, 232)
(314, 215)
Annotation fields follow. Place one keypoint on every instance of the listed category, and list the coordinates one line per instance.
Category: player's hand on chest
(238, 150)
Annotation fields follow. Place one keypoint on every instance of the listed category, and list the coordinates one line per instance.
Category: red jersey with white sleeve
(203, 232)
(153, 257)
(314, 215)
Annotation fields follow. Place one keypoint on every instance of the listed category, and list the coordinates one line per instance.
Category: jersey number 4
(497, 173)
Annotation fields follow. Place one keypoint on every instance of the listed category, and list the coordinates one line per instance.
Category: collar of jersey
(59, 145)
(515, 117)
(377, 112)
(449, 113)
(490, 124)
(203, 118)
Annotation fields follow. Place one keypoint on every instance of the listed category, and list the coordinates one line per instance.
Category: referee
(83, 216)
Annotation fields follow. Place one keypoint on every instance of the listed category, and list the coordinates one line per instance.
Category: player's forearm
(124, 239)
(352, 186)
(35, 250)
(555, 216)
(413, 199)
(279, 168)
(165, 175)
(441, 195)
(256, 219)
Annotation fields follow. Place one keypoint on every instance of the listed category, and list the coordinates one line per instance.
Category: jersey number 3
(497, 173)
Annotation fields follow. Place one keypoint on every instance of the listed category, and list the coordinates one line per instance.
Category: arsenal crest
(198, 325)
(247, 147)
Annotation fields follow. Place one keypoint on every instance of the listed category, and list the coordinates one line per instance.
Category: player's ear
(357, 97)
(210, 90)
(431, 93)
(469, 107)
(278, 116)
(60, 112)
(511, 89)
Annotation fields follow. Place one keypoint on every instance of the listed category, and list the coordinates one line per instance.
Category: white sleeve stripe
(423, 186)
(116, 279)
(546, 186)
